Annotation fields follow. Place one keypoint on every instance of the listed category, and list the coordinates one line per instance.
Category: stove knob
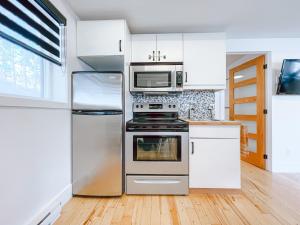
(170, 106)
(174, 106)
(142, 106)
(137, 106)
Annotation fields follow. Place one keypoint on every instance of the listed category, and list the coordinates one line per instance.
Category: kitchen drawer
(157, 185)
(220, 131)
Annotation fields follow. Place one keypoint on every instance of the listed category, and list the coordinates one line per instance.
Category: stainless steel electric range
(156, 154)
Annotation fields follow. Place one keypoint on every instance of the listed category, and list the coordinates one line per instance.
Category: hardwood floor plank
(155, 210)
(183, 217)
(265, 199)
(146, 211)
(165, 218)
(137, 212)
(173, 210)
(206, 212)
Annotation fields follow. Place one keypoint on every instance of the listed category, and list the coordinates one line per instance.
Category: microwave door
(154, 78)
(153, 81)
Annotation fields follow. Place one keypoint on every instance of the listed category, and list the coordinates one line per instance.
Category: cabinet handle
(193, 150)
(158, 55)
(185, 77)
(120, 45)
(149, 57)
(153, 55)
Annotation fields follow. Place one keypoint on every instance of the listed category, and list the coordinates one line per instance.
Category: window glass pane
(245, 109)
(245, 74)
(246, 91)
(21, 71)
(251, 145)
(251, 126)
(25, 74)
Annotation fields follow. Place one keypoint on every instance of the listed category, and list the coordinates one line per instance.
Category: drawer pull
(156, 181)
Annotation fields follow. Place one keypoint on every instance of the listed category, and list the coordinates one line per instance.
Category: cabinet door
(169, 47)
(143, 48)
(204, 61)
(214, 163)
(100, 38)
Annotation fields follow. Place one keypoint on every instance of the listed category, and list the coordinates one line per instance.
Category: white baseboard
(53, 207)
(285, 168)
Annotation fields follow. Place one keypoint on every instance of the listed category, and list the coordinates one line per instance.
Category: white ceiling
(238, 18)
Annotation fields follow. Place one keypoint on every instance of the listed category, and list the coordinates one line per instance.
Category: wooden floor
(265, 198)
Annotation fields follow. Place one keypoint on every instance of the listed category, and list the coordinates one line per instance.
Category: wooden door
(169, 48)
(204, 61)
(143, 48)
(247, 104)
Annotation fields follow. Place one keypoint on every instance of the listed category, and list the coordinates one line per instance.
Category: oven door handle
(156, 181)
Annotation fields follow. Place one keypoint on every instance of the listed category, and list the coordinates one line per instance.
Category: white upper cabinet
(204, 61)
(169, 48)
(100, 38)
(143, 47)
(157, 48)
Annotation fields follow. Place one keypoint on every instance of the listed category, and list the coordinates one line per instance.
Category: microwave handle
(185, 77)
(153, 55)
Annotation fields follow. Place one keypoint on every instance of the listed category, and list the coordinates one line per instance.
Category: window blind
(35, 25)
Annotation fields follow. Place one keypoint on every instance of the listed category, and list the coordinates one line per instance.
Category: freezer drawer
(157, 185)
(97, 155)
(97, 90)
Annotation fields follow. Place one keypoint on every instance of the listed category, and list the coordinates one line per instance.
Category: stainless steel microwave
(156, 77)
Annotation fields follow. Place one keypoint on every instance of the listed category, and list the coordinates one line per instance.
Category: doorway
(246, 103)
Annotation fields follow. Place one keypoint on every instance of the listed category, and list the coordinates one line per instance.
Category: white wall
(278, 49)
(286, 134)
(35, 161)
(35, 149)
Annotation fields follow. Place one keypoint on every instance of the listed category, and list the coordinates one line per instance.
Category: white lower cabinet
(214, 161)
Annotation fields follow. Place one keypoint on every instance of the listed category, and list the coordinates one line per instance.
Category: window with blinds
(35, 25)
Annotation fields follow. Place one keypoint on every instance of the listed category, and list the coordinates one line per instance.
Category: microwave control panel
(179, 78)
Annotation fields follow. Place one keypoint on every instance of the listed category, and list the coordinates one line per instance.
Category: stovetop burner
(162, 119)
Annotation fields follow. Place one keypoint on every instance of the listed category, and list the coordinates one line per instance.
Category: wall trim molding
(27, 102)
(57, 201)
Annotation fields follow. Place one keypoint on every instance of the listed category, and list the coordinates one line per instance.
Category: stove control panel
(155, 107)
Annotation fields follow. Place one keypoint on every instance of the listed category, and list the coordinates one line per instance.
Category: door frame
(269, 90)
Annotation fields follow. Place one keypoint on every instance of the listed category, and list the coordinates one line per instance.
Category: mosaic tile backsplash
(199, 101)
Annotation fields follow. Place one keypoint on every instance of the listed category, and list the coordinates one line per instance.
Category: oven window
(156, 148)
(152, 79)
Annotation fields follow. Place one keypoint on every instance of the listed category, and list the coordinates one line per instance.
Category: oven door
(163, 153)
(149, 78)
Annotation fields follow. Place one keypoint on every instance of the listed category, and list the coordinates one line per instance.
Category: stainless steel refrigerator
(97, 133)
